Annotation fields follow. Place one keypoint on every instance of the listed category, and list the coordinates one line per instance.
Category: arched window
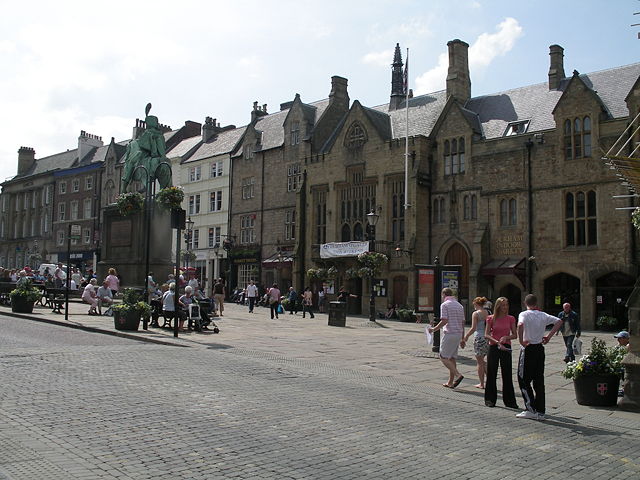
(577, 138)
(568, 150)
(454, 157)
(466, 208)
(358, 233)
(513, 212)
(346, 233)
(586, 136)
(474, 207)
(504, 212)
(442, 212)
(461, 153)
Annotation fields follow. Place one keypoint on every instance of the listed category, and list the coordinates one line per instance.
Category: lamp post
(372, 218)
(188, 242)
(216, 267)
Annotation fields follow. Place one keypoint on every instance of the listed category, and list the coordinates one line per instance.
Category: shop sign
(343, 249)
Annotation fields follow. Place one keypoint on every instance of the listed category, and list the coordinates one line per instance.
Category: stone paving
(289, 398)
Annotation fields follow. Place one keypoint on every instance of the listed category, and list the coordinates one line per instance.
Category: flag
(406, 75)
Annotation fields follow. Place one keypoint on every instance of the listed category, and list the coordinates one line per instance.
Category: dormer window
(516, 128)
(295, 133)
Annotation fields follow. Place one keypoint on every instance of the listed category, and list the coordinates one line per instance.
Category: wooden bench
(56, 298)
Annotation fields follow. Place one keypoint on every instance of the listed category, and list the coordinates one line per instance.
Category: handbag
(577, 346)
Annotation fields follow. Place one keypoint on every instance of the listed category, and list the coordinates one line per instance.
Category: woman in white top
(89, 296)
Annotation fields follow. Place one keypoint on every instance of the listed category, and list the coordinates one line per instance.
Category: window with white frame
(216, 169)
(62, 211)
(290, 225)
(195, 173)
(75, 185)
(74, 210)
(194, 204)
(246, 273)
(88, 183)
(87, 208)
(215, 201)
(60, 237)
(214, 236)
(247, 229)
(294, 177)
(86, 235)
(63, 188)
(247, 187)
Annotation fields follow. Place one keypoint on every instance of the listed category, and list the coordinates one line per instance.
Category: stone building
(510, 186)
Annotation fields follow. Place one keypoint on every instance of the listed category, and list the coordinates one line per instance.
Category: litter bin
(338, 314)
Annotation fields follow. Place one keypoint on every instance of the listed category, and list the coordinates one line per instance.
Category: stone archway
(457, 255)
(561, 288)
(612, 292)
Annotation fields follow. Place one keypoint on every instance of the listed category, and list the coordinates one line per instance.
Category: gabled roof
(224, 142)
(424, 111)
(183, 147)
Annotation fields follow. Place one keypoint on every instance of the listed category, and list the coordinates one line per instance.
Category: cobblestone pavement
(234, 408)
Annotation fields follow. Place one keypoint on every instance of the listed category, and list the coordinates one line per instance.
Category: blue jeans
(568, 341)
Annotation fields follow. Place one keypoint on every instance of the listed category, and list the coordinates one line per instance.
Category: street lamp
(372, 218)
(188, 237)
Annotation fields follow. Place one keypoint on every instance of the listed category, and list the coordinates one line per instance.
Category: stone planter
(128, 321)
(20, 305)
(597, 390)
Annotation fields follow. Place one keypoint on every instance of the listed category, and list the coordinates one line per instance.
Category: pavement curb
(86, 328)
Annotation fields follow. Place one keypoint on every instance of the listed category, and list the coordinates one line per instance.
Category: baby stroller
(199, 319)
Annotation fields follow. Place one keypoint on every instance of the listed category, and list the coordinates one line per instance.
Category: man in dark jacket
(570, 330)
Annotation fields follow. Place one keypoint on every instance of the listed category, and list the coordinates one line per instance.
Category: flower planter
(20, 305)
(128, 321)
(597, 390)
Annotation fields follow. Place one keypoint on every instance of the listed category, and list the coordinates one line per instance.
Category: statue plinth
(124, 246)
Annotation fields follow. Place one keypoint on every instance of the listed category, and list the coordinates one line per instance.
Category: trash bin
(338, 314)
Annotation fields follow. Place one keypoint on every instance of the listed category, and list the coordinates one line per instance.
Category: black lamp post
(372, 218)
(188, 242)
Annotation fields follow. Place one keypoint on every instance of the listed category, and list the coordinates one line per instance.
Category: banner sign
(343, 249)
(426, 294)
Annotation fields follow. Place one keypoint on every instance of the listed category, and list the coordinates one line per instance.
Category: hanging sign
(343, 249)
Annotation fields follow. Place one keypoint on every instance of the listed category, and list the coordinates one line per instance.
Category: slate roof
(424, 111)
(183, 147)
(53, 162)
(223, 143)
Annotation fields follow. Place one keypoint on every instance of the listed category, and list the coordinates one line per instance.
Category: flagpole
(406, 140)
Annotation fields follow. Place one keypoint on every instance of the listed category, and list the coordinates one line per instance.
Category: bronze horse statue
(148, 152)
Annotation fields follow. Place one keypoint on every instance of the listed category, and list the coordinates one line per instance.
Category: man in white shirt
(105, 297)
(532, 324)
(252, 295)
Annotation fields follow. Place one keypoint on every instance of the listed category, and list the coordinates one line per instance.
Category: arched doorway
(457, 255)
(400, 290)
(514, 295)
(612, 292)
(559, 289)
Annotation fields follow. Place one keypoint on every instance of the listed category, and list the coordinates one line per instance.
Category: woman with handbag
(499, 331)
(274, 300)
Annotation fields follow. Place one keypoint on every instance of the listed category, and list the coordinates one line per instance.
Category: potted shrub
(129, 203)
(405, 315)
(607, 323)
(127, 315)
(24, 296)
(596, 376)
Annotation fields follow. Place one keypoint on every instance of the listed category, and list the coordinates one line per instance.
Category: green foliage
(607, 323)
(371, 263)
(635, 218)
(132, 302)
(170, 198)
(601, 360)
(25, 291)
(405, 315)
(129, 203)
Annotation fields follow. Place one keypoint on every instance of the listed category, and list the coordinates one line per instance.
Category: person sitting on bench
(89, 296)
(169, 305)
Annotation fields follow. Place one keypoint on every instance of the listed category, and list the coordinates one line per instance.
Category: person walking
(252, 295)
(452, 325)
(218, 295)
(307, 302)
(531, 327)
(480, 344)
(293, 301)
(274, 300)
(499, 331)
(570, 330)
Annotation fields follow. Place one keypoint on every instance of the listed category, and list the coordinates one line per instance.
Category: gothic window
(295, 133)
(320, 203)
(447, 158)
(356, 136)
(397, 212)
(454, 156)
(438, 210)
(508, 212)
(581, 227)
(461, 153)
(474, 207)
(577, 138)
(353, 199)
(346, 233)
(358, 232)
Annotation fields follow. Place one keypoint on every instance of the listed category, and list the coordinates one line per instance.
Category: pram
(195, 317)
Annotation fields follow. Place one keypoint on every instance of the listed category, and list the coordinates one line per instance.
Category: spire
(397, 80)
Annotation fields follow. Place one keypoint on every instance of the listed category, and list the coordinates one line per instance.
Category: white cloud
(379, 59)
(484, 50)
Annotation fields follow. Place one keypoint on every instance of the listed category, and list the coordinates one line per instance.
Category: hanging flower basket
(170, 198)
(371, 263)
(129, 203)
(635, 218)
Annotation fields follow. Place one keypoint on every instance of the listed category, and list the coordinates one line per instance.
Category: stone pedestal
(124, 245)
(631, 362)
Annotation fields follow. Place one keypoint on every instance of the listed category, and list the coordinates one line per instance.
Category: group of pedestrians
(493, 334)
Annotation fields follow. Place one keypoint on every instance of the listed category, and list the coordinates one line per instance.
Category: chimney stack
(556, 66)
(458, 80)
(86, 142)
(26, 159)
(258, 111)
(339, 95)
(208, 129)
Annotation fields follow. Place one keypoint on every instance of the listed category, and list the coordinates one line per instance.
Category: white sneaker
(542, 417)
(527, 414)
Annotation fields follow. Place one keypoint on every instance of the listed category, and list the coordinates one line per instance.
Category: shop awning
(505, 266)
(278, 259)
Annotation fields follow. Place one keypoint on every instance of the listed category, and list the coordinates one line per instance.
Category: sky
(68, 66)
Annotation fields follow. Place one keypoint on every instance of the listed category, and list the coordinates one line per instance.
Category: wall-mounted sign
(450, 279)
